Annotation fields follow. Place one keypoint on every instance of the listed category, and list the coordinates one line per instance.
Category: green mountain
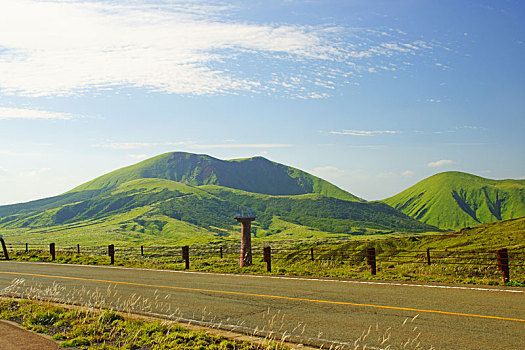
(187, 196)
(258, 175)
(453, 200)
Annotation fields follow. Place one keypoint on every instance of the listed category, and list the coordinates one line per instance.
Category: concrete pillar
(246, 242)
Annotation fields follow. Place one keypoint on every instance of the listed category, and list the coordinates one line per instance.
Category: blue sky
(370, 95)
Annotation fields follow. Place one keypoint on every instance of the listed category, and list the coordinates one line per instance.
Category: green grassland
(452, 200)
(397, 256)
(158, 211)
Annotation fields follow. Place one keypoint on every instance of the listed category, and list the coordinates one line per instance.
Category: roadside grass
(104, 329)
(332, 257)
(80, 318)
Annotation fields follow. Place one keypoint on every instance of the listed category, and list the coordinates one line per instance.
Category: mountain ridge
(182, 191)
(255, 174)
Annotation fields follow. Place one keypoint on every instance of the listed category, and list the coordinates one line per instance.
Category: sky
(372, 96)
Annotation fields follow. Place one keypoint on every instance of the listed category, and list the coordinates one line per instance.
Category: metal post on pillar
(4, 248)
(267, 258)
(428, 256)
(111, 253)
(503, 263)
(312, 254)
(27, 248)
(220, 251)
(78, 249)
(142, 250)
(371, 259)
(186, 256)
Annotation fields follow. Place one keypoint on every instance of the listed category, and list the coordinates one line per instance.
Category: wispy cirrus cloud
(440, 163)
(363, 132)
(241, 145)
(185, 145)
(57, 47)
(26, 113)
(136, 145)
(34, 172)
(138, 156)
(328, 171)
(11, 153)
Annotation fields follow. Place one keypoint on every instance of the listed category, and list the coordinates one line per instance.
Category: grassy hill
(453, 200)
(258, 175)
(192, 198)
(159, 210)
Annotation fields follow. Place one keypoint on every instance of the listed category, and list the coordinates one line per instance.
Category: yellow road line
(266, 296)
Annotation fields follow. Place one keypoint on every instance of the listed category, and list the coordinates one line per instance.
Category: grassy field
(396, 256)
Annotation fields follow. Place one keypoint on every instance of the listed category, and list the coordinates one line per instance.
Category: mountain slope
(258, 175)
(159, 202)
(454, 200)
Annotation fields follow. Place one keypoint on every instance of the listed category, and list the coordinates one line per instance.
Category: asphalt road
(448, 317)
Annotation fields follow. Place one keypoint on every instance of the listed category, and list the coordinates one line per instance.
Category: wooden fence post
(27, 248)
(4, 247)
(267, 258)
(428, 256)
(111, 253)
(220, 251)
(78, 249)
(142, 250)
(52, 251)
(312, 254)
(503, 263)
(186, 256)
(371, 259)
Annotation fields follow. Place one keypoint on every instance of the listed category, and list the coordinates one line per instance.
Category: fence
(501, 259)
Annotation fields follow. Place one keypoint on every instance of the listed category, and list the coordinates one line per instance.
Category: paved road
(449, 317)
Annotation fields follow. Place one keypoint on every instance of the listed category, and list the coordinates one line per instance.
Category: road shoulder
(14, 337)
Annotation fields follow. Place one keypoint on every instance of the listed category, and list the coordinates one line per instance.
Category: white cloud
(363, 132)
(252, 145)
(328, 172)
(407, 173)
(24, 113)
(389, 175)
(188, 145)
(138, 156)
(433, 100)
(3, 171)
(463, 144)
(136, 145)
(57, 47)
(7, 152)
(35, 172)
(440, 163)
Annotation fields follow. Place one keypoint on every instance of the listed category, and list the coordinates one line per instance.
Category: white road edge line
(278, 277)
